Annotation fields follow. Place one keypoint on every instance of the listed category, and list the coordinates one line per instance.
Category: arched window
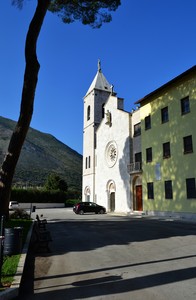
(103, 111)
(88, 112)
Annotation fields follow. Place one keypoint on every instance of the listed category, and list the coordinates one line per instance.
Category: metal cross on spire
(99, 65)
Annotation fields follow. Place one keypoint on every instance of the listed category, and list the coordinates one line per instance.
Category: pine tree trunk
(26, 109)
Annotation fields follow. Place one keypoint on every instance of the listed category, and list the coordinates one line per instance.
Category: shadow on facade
(123, 162)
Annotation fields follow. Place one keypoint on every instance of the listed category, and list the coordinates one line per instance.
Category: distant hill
(41, 155)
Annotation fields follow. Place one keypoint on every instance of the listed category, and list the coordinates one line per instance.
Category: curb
(13, 290)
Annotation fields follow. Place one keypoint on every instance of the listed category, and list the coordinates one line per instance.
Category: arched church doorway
(112, 201)
(87, 194)
(137, 194)
(111, 188)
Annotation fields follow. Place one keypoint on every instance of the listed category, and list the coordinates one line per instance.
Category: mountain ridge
(41, 155)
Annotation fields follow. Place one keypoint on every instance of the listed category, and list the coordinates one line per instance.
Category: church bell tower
(94, 101)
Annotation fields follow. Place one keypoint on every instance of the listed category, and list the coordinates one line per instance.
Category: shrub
(71, 202)
(37, 196)
(43, 196)
(19, 214)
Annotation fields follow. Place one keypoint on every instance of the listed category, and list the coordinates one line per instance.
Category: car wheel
(101, 211)
(81, 212)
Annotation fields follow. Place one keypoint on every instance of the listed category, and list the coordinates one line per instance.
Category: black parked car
(88, 207)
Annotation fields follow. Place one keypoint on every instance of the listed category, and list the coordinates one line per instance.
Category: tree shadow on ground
(111, 285)
(87, 234)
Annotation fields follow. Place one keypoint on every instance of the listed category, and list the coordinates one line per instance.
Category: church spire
(99, 82)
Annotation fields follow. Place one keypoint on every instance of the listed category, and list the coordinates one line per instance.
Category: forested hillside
(41, 155)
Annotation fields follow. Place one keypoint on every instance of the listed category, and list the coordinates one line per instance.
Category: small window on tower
(103, 111)
(86, 162)
(88, 112)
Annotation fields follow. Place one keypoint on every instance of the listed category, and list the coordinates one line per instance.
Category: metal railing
(135, 167)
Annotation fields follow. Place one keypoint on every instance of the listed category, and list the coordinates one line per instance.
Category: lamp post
(1, 245)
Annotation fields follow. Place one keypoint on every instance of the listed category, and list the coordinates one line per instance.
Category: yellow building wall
(179, 166)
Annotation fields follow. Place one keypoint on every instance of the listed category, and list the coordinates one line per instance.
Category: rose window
(111, 154)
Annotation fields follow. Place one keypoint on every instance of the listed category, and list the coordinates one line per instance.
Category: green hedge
(71, 202)
(42, 196)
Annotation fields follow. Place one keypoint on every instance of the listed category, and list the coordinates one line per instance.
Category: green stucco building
(168, 142)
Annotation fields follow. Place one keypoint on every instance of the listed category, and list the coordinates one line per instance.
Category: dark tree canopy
(93, 13)
(55, 182)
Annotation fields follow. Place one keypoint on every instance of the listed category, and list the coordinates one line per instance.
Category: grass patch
(10, 263)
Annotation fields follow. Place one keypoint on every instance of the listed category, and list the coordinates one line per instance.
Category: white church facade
(111, 150)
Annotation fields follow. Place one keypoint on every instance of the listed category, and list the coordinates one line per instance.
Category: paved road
(113, 257)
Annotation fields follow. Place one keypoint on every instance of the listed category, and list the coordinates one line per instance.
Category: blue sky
(148, 43)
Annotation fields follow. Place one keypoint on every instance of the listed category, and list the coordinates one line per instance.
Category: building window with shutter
(147, 122)
(168, 190)
(164, 115)
(190, 188)
(149, 155)
(185, 105)
(150, 190)
(166, 150)
(188, 145)
(137, 129)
